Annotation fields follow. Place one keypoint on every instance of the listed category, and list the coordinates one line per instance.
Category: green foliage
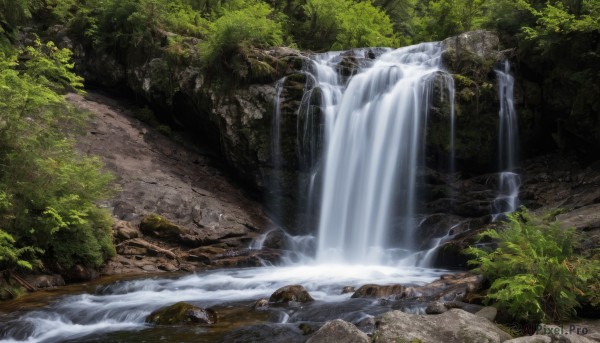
(49, 190)
(11, 257)
(238, 30)
(345, 24)
(534, 273)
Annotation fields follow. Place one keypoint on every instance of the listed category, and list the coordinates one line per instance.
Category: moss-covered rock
(293, 293)
(157, 226)
(182, 314)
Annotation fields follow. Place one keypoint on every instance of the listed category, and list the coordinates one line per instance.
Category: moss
(182, 313)
(158, 226)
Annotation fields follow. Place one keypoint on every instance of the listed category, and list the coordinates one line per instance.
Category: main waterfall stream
(374, 142)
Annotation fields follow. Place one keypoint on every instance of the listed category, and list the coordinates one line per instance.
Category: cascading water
(507, 200)
(375, 144)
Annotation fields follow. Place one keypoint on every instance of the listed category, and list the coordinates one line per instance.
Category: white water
(507, 200)
(374, 144)
(124, 306)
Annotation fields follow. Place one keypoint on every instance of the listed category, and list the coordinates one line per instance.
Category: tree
(345, 24)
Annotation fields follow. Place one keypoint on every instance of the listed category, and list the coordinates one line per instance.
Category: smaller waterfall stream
(509, 181)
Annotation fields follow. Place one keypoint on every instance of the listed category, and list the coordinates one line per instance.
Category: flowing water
(375, 144)
(116, 312)
(507, 200)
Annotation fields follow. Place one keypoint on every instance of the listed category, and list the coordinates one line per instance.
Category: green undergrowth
(48, 190)
(535, 272)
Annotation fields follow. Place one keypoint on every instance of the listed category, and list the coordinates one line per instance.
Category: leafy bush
(345, 24)
(534, 272)
(48, 189)
(237, 30)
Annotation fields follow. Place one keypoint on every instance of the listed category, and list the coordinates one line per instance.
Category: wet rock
(45, 281)
(293, 293)
(261, 304)
(348, 289)
(488, 312)
(182, 313)
(339, 331)
(378, 291)
(452, 326)
(450, 287)
(275, 333)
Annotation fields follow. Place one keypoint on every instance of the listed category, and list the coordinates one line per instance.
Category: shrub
(345, 24)
(534, 272)
(238, 30)
(49, 190)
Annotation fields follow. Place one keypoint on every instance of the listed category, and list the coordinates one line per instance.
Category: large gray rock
(452, 326)
(339, 331)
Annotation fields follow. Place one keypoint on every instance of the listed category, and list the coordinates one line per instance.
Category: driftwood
(21, 281)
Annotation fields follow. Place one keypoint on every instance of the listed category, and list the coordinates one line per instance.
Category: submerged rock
(452, 326)
(339, 331)
(182, 313)
(295, 293)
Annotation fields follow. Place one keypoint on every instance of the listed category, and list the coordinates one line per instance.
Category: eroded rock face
(452, 326)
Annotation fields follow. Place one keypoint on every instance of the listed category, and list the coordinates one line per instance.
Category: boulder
(378, 291)
(339, 331)
(182, 313)
(292, 293)
(436, 307)
(488, 312)
(452, 326)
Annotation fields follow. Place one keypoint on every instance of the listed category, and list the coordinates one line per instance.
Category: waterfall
(507, 200)
(374, 143)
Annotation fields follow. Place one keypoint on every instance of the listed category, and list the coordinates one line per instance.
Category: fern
(534, 273)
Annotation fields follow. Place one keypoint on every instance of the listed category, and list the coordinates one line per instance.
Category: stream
(116, 311)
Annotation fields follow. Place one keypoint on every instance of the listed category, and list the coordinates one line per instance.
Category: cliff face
(232, 110)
